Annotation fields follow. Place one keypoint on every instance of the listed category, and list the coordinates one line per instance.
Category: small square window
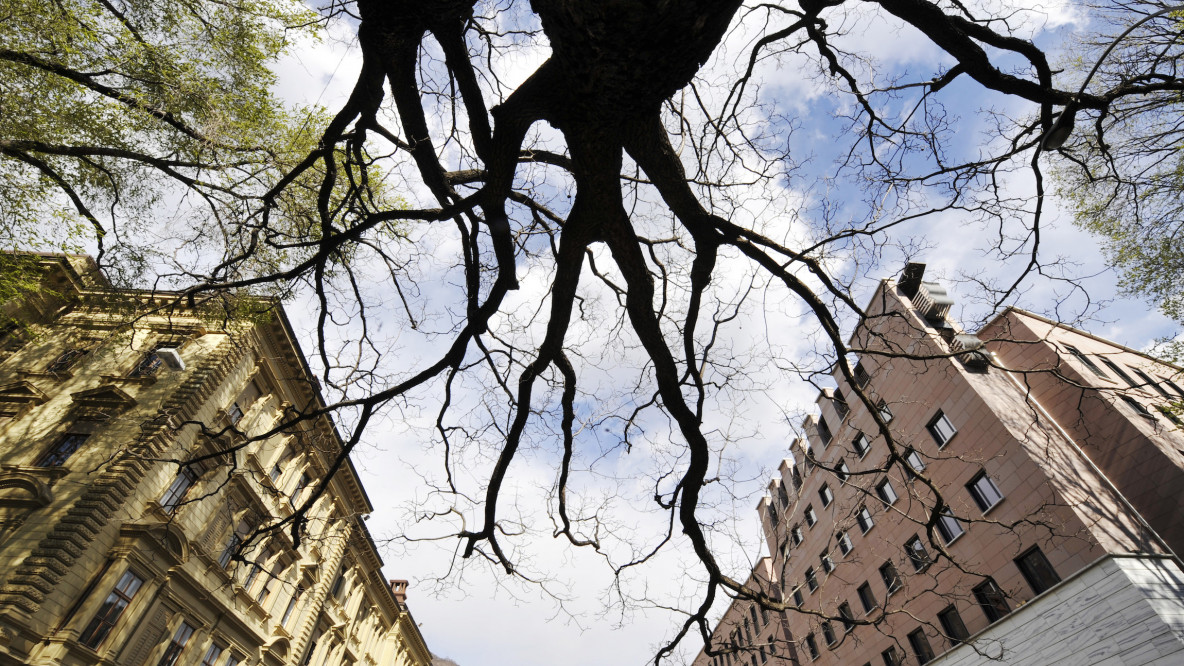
(825, 495)
(811, 580)
(1037, 570)
(992, 600)
(984, 492)
(811, 517)
(885, 411)
(886, 492)
(842, 472)
(234, 413)
(914, 465)
(941, 429)
(892, 657)
(844, 542)
(920, 644)
(890, 577)
(864, 518)
(860, 445)
(795, 535)
(866, 597)
(917, 554)
(828, 565)
(949, 527)
(952, 625)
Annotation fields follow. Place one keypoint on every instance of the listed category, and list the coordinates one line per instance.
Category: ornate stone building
(139, 479)
(1060, 467)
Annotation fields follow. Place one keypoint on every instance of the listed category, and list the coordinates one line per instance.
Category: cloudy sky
(474, 615)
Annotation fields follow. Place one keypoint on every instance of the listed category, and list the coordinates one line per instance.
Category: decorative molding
(101, 403)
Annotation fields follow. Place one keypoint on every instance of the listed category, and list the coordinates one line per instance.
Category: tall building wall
(135, 499)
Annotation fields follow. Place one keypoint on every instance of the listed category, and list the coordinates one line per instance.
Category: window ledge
(955, 539)
(992, 507)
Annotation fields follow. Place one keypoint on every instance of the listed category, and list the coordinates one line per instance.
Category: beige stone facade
(1047, 468)
(135, 497)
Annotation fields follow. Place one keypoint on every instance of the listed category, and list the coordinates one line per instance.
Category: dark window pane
(952, 625)
(920, 645)
(992, 600)
(1037, 570)
(61, 451)
(984, 492)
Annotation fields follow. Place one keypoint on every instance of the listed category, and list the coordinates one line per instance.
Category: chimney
(399, 589)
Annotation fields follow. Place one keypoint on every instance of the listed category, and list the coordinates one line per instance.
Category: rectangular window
(234, 413)
(860, 375)
(148, 365)
(920, 644)
(890, 577)
(885, 492)
(176, 645)
(949, 527)
(866, 597)
(885, 412)
(984, 492)
(844, 542)
(1137, 406)
(860, 445)
(1170, 415)
(827, 564)
(828, 633)
(824, 433)
(917, 554)
(811, 517)
(178, 489)
(811, 646)
(913, 463)
(338, 585)
(795, 534)
(992, 600)
(840, 404)
(61, 451)
(797, 478)
(232, 660)
(212, 654)
(113, 607)
(1118, 371)
(1148, 381)
(811, 581)
(892, 657)
(864, 518)
(940, 429)
(798, 600)
(65, 361)
(782, 496)
(1174, 386)
(842, 471)
(1037, 570)
(292, 603)
(294, 499)
(952, 625)
(825, 495)
(276, 473)
(1085, 360)
(846, 616)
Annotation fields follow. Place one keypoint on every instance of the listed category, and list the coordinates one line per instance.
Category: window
(338, 584)
(1076, 353)
(866, 597)
(860, 445)
(797, 478)
(1148, 381)
(920, 645)
(824, 432)
(178, 489)
(782, 496)
(795, 535)
(828, 633)
(148, 365)
(917, 554)
(842, 471)
(949, 527)
(811, 646)
(232, 660)
(176, 645)
(798, 600)
(276, 473)
(1171, 416)
(1121, 375)
(811, 581)
(294, 499)
(292, 603)
(951, 624)
(828, 565)
(1137, 406)
(212, 654)
(811, 517)
(840, 404)
(752, 612)
(885, 412)
(885, 492)
(890, 577)
(913, 463)
(844, 542)
(1172, 384)
(864, 519)
(861, 376)
(846, 616)
(65, 360)
(61, 451)
(232, 545)
(1037, 570)
(108, 614)
(234, 413)
(992, 600)
(825, 495)
(892, 657)
(984, 492)
(940, 429)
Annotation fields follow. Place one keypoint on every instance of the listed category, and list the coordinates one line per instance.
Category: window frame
(936, 430)
(979, 496)
(810, 516)
(862, 516)
(174, 495)
(890, 576)
(826, 495)
(1086, 361)
(1030, 563)
(922, 650)
(828, 634)
(884, 410)
(991, 599)
(811, 580)
(867, 598)
(107, 616)
(952, 625)
(844, 541)
(861, 449)
(918, 555)
(828, 565)
(177, 644)
(946, 526)
(61, 450)
(843, 472)
(884, 490)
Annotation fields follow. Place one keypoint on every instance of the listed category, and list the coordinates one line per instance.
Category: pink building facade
(1009, 476)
